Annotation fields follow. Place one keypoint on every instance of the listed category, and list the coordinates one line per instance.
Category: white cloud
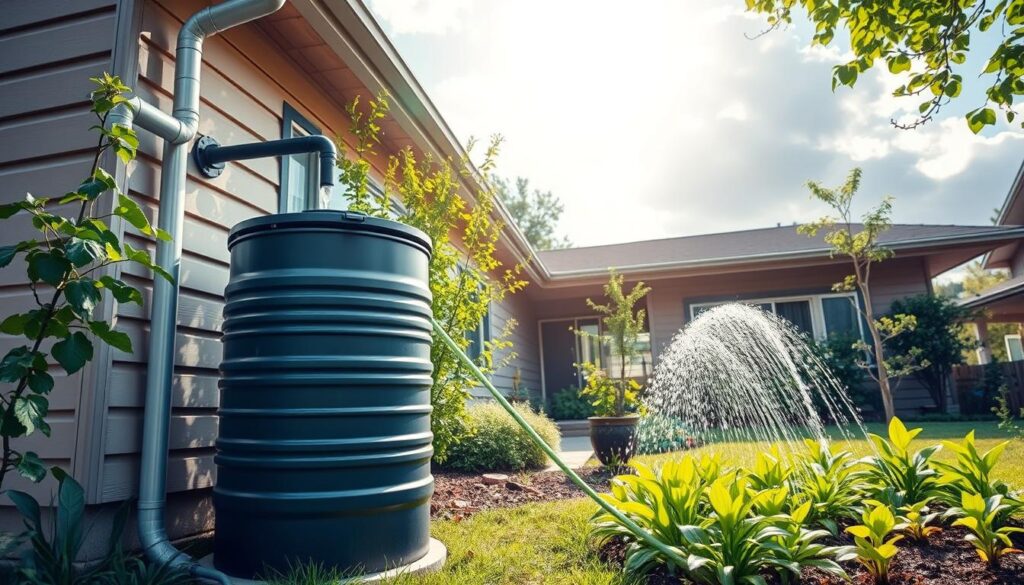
(434, 17)
(644, 132)
(735, 111)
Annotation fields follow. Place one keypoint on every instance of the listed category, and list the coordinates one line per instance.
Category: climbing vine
(66, 267)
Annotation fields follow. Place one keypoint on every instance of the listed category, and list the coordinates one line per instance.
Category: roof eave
(365, 48)
(904, 245)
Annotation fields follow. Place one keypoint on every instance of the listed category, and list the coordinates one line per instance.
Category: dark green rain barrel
(325, 445)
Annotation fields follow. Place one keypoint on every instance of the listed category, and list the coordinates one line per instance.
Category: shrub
(567, 404)
(938, 335)
(498, 443)
(657, 433)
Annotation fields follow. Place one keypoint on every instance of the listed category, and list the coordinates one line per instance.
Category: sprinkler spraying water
(743, 376)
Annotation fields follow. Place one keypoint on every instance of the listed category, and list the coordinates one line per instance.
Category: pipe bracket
(208, 169)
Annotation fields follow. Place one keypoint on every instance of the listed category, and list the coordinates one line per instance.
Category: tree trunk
(876, 339)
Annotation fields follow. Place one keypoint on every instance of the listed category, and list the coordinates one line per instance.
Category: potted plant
(616, 400)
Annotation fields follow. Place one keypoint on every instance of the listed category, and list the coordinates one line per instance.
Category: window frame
(290, 118)
(818, 325)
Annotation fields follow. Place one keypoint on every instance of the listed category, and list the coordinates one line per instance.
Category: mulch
(459, 495)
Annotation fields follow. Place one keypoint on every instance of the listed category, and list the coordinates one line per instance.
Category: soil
(459, 495)
(946, 559)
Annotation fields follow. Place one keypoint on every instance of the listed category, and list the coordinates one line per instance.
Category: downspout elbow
(328, 159)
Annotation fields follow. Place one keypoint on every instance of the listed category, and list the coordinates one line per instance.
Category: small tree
(859, 243)
(938, 336)
(536, 213)
(466, 277)
(623, 324)
(66, 266)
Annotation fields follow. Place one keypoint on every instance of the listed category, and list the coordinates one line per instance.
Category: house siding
(242, 100)
(524, 339)
(48, 51)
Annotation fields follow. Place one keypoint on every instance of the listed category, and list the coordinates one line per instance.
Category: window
(479, 337)
(817, 315)
(299, 172)
(1014, 348)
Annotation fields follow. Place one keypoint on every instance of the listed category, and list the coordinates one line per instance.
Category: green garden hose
(622, 518)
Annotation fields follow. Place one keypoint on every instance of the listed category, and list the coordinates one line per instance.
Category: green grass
(547, 543)
(988, 435)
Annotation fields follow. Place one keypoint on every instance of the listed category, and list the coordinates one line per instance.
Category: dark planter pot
(612, 438)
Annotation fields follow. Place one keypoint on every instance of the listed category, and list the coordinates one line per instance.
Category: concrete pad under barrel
(432, 562)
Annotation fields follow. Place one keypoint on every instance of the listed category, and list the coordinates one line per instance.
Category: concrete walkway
(575, 452)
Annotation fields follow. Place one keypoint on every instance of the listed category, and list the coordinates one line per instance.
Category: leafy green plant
(729, 546)
(797, 546)
(971, 472)
(984, 517)
(498, 443)
(658, 501)
(872, 547)
(1007, 420)
(567, 404)
(895, 466)
(465, 280)
(67, 268)
(623, 324)
(917, 519)
(609, 397)
(52, 551)
(770, 470)
(828, 479)
(938, 336)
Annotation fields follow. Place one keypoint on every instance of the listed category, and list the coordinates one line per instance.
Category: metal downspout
(177, 130)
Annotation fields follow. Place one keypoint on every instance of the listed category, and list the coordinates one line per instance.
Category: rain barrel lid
(328, 218)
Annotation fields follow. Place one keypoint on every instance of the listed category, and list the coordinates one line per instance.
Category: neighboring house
(775, 268)
(292, 73)
(1004, 303)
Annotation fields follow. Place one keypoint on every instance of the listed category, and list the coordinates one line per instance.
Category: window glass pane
(339, 197)
(798, 313)
(840, 316)
(1014, 348)
(298, 178)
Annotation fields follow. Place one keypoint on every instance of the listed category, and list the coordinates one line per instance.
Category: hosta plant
(770, 470)
(729, 547)
(66, 266)
(658, 501)
(972, 472)
(828, 479)
(918, 520)
(908, 473)
(984, 518)
(873, 548)
(797, 547)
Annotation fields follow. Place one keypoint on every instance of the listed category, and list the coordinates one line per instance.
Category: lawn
(547, 543)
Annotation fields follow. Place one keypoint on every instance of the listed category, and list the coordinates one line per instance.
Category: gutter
(1006, 234)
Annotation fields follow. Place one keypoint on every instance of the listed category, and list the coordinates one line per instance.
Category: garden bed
(458, 495)
(946, 559)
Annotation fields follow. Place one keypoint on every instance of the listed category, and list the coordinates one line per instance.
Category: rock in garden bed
(457, 495)
(947, 559)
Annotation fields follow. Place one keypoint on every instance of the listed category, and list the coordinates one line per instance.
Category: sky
(653, 119)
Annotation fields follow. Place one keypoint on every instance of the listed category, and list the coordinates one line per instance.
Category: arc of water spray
(633, 527)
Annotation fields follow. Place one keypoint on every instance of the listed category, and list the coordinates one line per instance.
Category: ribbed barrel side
(325, 444)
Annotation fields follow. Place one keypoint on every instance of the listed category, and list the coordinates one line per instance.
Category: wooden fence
(977, 394)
